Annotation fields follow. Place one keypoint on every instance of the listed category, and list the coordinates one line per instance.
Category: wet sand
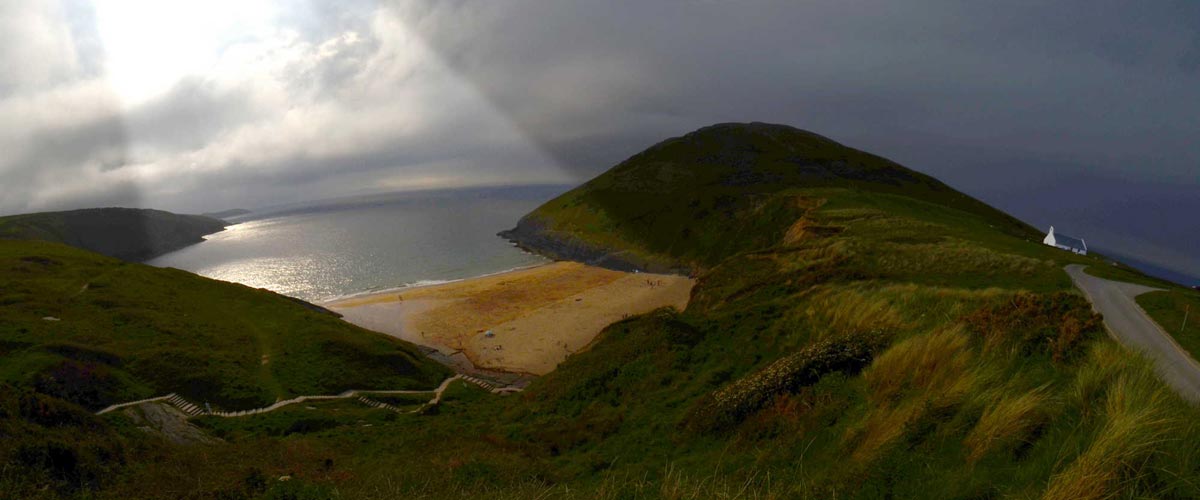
(537, 316)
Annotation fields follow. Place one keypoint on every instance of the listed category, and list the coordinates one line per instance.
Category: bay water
(337, 248)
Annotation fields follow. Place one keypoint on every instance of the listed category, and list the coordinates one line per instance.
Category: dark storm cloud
(1065, 79)
(1001, 99)
(1075, 113)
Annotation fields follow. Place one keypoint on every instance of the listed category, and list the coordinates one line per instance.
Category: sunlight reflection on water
(289, 276)
(319, 256)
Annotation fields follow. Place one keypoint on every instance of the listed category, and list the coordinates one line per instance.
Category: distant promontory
(130, 234)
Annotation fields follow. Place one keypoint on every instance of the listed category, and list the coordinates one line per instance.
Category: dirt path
(1129, 324)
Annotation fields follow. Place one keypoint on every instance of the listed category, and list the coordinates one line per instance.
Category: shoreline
(520, 321)
(340, 299)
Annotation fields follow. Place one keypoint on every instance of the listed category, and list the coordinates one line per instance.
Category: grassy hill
(859, 330)
(95, 331)
(125, 233)
(672, 205)
(80, 331)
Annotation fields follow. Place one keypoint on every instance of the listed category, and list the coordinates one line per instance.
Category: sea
(322, 251)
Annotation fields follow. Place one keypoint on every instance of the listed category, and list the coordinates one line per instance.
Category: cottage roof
(1069, 241)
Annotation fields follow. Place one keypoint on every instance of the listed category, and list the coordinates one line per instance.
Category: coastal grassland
(806, 369)
(1169, 308)
(304, 418)
(96, 331)
(857, 330)
(1120, 272)
(937, 414)
(406, 401)
(987, 384)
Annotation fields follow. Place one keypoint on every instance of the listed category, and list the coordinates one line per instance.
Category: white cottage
(1068, 243)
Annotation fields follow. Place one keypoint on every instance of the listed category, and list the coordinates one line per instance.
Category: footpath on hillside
(194, 410)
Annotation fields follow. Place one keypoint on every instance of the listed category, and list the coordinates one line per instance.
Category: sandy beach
(523, 321)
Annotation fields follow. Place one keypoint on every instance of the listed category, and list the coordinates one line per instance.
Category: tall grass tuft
(882, 426)
(1008, 421)
(934, 365)
(1137, 424)
(918, 375)
(850, 310)
(1104, 363)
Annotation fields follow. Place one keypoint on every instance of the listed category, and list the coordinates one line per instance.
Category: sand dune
(538, 316)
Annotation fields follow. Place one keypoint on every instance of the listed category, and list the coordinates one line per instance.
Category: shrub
(1056, 323)
(50, 446)
(311, 424)
(88, 384)
(732, 403)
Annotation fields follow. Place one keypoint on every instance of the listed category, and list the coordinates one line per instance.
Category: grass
(127, 331)
(933, 365)
(1120, 272)
(989, 388)
(401, 400)
(325, 416)
(1010, 420)
(1136, 425)
(848, 310)
(1178, 312)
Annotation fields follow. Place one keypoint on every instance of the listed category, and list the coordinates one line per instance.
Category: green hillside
(97, 331)
(692, 201)
(858, 330)
(125, 233)
(80, 331)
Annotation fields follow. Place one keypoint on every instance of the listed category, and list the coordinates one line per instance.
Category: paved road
(1131, 326)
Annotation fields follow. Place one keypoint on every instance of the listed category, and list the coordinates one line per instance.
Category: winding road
(1129, 324)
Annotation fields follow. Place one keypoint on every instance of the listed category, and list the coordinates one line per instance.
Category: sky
(1081, 114)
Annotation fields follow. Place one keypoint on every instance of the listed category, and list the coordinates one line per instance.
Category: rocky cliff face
(534, 236)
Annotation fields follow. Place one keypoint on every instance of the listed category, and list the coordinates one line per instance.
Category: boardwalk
(193, 410)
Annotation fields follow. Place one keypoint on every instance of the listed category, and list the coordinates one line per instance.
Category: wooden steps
(378, 404)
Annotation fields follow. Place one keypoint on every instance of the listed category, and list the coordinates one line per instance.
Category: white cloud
(38, 49)
(252, 113)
